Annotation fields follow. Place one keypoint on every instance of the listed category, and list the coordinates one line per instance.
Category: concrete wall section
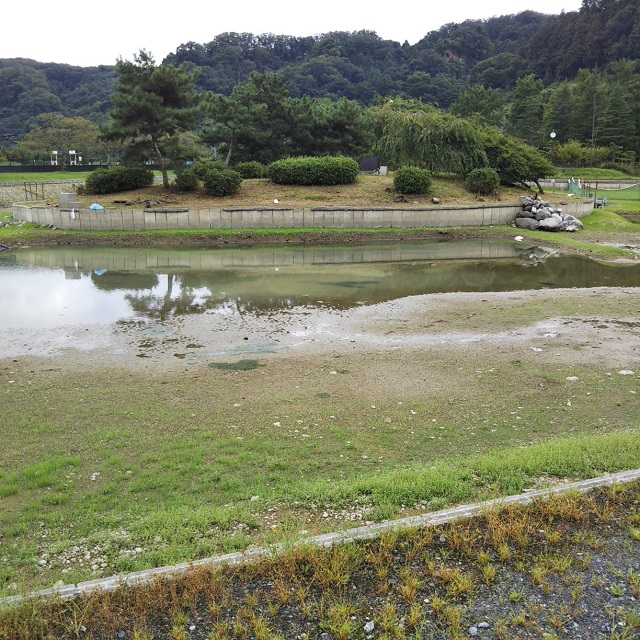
(311, 218)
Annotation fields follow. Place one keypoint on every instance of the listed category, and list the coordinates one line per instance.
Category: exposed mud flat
(390, 345)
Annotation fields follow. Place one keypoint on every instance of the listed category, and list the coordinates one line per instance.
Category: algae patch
(240, 365)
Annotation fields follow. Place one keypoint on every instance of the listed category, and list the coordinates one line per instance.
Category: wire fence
(603, 192)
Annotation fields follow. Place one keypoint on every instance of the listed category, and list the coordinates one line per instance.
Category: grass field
(43, 177)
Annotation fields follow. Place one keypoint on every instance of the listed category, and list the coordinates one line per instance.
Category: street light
(552, 135)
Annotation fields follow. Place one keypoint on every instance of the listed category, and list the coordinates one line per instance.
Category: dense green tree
(225, 119)
(516, 162)
(524, 117)
(251, 124)
(600, 32)
(617, 125)
(629, 77)
(590, 96)
(25, 94)
(575, 154)
(55, 132)
(499, 72)
(409, 132)
(152, 106)
(559, 114)
(485, 104)
(441, 90)
(323, 127)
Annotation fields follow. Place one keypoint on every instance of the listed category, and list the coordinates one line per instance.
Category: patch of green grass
(321, 589)
(45, 176)
(48, 471)
(169, 464)
(607, 219)
(590, 173)
(632, 206)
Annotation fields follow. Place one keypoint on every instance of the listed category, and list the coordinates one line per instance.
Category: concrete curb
(326, 540)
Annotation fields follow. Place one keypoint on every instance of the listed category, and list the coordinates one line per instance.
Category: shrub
(253, 169)
(202, 167)
(314, 171)
(222, 182)
(117, 179)
(186, 180)
(629, 169)
(483, 182)
(412, 180)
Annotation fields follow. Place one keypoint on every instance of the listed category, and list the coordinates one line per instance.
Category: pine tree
(153, 105)
(524, 120)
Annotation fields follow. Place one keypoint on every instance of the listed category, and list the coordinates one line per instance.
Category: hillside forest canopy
(264, 97)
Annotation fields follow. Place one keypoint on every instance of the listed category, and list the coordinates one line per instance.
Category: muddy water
(55, 298)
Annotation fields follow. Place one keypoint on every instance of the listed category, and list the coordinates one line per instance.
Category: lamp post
(552, 135)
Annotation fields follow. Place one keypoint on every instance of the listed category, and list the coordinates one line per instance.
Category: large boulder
(552, 223)
(527, 223)
(569, 223)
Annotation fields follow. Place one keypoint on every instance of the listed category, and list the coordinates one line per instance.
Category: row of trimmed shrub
(314, 171)
(219, 180)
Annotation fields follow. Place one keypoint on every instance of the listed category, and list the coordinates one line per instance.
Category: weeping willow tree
(412, 133)
(409, 132)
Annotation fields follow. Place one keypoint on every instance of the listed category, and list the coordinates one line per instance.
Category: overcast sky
(88, 34)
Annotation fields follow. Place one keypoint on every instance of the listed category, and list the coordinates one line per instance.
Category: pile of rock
(538, 214)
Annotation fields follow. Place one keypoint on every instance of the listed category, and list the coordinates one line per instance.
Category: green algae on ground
(240, 365)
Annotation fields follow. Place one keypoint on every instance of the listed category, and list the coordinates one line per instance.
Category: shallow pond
(44, 288)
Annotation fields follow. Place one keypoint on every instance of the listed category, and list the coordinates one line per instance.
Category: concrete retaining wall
(74, 258)
(311, 218)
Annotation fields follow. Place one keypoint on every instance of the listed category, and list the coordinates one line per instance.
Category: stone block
(150, 220)
(138, 219)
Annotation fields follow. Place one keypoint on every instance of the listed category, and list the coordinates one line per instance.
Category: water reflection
(49, 287)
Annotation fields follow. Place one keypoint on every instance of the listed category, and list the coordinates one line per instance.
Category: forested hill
(360, 65)
(357, 65)
(29, 88)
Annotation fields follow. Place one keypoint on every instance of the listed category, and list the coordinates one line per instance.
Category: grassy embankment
(370, 191)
